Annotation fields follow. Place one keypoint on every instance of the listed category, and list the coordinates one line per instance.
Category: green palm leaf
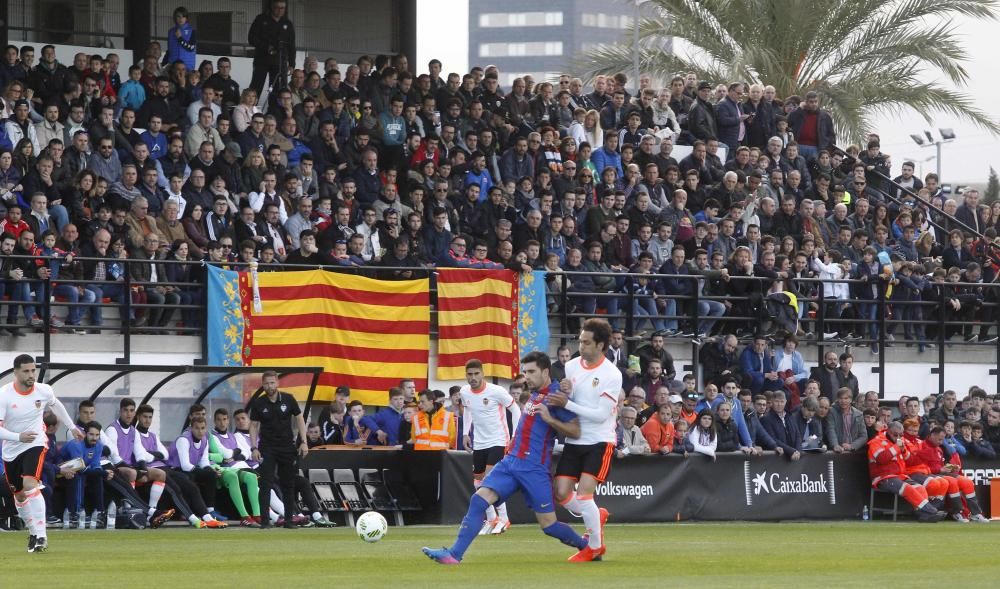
(864, 57)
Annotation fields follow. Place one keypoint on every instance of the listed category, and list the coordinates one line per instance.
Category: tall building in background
(542, 38)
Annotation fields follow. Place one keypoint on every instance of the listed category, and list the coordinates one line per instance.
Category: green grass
(800, 555)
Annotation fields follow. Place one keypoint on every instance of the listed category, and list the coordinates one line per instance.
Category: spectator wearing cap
(687, 411)
(19, 126)
(701, 116)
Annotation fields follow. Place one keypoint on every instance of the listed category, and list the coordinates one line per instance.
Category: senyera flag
(367, 334)
(477, 318)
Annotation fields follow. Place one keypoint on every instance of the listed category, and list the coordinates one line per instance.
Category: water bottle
(864, 514)
(112, 514)
(82, 516)
(65, 524)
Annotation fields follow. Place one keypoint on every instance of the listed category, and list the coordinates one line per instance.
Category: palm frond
(865, 57)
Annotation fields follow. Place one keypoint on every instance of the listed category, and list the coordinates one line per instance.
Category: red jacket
(15, 229)
(886, 460)
(932, 456)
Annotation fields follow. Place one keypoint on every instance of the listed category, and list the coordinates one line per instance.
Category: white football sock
(591, 519)
(25, 512)
(155, 492)
(572, 504)
(36, 504)
(502, 512)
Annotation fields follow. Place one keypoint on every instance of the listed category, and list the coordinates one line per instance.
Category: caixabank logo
(760, 482)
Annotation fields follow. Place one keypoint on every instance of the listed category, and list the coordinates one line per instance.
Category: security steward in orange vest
(433, 427)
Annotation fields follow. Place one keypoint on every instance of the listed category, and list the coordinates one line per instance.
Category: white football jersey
(589, 385)
(22, 412)
(487, 408)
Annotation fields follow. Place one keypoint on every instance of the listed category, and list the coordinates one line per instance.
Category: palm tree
(862, 56)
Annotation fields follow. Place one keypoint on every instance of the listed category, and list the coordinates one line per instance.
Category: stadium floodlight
(930, 138)
(917, 139)
(947, 134)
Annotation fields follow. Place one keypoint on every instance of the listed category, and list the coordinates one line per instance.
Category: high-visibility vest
(435, 432)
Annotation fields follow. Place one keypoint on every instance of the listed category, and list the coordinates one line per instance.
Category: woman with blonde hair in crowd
(245, 110)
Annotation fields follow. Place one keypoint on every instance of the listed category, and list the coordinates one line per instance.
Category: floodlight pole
(635, 47)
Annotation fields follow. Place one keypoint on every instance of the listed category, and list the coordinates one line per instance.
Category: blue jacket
(758, 435)
(482, 179)
(393, 129)
(953, 445)
(787, 436)
(78, 449)
(388, 420)
(157, 145)
(132, 94)
(798, 364)
(727, 121)
(183, 49)
(604, 157)
(351, 433)
(750, 363)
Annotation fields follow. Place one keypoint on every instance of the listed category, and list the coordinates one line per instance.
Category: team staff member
(22, 405)
(434, 428)
(271, 417)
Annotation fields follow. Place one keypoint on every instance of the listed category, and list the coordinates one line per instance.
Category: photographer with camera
(273, 39)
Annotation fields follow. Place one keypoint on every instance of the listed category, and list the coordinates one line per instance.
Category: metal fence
(748, 319)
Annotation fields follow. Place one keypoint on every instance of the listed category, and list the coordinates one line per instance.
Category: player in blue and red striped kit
(525, 468)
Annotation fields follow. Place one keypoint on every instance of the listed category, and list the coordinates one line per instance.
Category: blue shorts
(533, 480)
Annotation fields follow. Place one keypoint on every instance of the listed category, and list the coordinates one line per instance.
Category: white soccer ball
(371, 526)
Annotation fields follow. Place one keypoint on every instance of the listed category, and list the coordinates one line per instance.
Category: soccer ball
(371, 526)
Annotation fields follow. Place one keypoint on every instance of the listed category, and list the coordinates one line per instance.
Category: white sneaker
(980, 519)
(487, 527)
(500, 527)
(959, 518)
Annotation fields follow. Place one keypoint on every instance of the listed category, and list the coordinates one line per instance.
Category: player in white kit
(23, 402)
(486, 407)
(593, 384)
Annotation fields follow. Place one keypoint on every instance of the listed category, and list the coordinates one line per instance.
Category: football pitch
(836, 554)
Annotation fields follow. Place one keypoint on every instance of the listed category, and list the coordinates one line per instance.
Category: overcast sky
(443, 33)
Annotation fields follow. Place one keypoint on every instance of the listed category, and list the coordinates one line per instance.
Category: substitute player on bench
(486, 411)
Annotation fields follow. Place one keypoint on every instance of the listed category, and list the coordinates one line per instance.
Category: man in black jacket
(701, 117)
(719, 360)
(812, 127)
(273, 39)
(14, 276)
(826, 376)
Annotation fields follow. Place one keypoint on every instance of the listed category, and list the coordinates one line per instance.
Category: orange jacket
(886, 460)
(434, 432)
(658, 435)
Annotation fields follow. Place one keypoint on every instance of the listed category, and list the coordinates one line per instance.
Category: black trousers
(280, 464)
(267, 70)
(198, 486)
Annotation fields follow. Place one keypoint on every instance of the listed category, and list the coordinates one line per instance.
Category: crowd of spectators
(371, 164)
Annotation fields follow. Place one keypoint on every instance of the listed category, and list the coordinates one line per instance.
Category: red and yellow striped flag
(477, 318)
(367, 334)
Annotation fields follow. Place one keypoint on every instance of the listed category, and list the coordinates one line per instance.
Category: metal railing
(745, 318)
